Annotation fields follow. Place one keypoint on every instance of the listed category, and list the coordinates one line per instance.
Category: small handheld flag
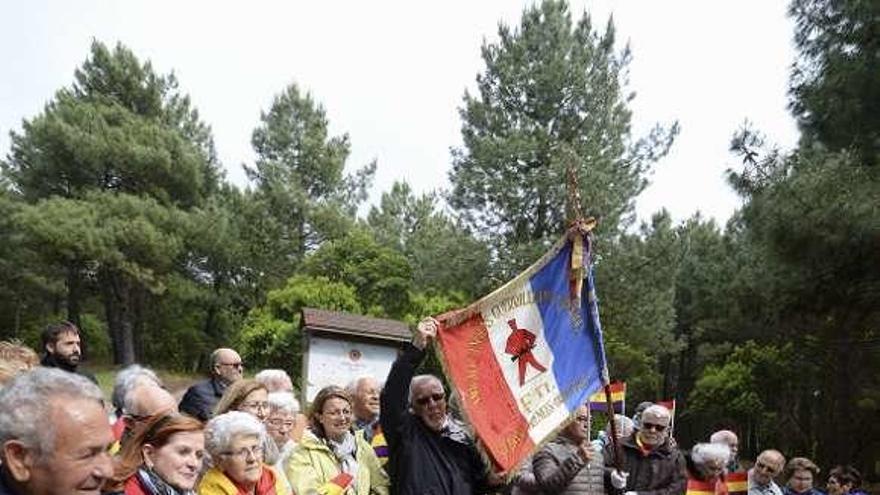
(337, 485)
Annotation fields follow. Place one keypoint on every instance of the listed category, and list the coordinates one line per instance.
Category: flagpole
(582, 252)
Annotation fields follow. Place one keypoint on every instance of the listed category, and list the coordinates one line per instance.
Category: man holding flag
(651, 464)
(430, 452)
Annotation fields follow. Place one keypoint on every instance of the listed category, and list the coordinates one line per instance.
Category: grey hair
(273, 378)
(657, 411)
(722, 436)
(284, 402)
(126, 380)
(221, 429)
(353, 385)
(26, 405)
(623, 424)
(418, 380)
(702, 453)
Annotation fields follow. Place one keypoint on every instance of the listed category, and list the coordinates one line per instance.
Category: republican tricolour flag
(523, 358)
(598, 401)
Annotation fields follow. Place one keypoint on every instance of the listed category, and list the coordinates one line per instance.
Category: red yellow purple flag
(337, 485)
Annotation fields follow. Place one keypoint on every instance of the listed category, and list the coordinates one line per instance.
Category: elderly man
(54, 435)
(730, 439)
(126, 380)
(650, 461)
(430, 452)
(62, 345)
(365, 392)
(768, 465)
(142, 403)
(200, 399)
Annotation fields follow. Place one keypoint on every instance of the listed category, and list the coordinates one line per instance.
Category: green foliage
(835, 84)
(271, 336)
(443, 255)
(380, 276)
(551, 99)
(301, 197)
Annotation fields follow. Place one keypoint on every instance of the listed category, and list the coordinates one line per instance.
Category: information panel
(337, 362)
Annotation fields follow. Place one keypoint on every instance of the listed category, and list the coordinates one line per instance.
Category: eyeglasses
(583, 419)
(279, 423)
(245, 452)
(654, 426)
(255, 405)
(238, 365)
(337, 413)
(423, 401)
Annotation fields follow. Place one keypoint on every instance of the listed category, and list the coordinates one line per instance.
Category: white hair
(275, 380)
(221, 429)
(354, 384)
(126, 380)
(623, 424)
(657, 411)
(27, 403)
(722, 436)
(702, 453)
(283, 402)
(417, 381)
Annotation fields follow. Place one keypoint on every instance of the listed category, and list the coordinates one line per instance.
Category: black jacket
(49, 361)
(421, 461)
(200, 399)
(661, 472)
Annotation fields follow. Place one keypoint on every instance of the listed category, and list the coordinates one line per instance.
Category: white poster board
(337, 362)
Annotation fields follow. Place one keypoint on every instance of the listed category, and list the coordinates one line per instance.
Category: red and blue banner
(523, 358)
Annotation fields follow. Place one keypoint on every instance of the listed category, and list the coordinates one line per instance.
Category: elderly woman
(283, 408)
(332, 454)
(801, 473)
(235, 442)
(252, 397)
(163, 457)
(705, 467)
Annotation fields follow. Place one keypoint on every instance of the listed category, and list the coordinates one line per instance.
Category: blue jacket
(200, 399)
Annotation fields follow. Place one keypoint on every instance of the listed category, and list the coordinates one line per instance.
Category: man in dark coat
(651, 463)
(430, 452)
(200, 399)
(62, 345)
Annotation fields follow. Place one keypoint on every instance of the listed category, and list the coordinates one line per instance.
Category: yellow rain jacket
(312, 467)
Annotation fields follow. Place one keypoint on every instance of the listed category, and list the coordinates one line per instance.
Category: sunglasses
(423, 401)
(653, 426)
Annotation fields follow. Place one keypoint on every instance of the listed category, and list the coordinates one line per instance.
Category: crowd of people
(231, 435)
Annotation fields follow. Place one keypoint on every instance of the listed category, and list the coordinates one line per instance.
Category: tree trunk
(116, 293)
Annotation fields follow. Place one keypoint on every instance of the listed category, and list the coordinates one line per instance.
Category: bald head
(768, 465)
(226, 365)
(149, 400)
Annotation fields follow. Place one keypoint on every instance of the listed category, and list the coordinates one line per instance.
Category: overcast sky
(392, 74)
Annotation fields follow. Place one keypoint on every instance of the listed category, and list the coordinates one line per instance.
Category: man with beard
(650, 461)
(61, 342)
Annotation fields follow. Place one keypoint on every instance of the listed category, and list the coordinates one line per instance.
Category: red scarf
(265, 486)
